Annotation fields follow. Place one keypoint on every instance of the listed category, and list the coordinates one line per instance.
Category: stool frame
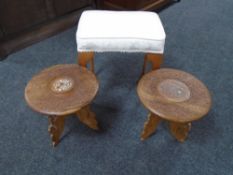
(85, 58)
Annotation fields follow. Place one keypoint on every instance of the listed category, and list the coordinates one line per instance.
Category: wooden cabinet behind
(24, 22)
(133, 4)
(16, 16)
(64, 6)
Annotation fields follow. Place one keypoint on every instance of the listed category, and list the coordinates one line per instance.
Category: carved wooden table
(175, 96)
(62, 90)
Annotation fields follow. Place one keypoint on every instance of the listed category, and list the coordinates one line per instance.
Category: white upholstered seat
(120, 31)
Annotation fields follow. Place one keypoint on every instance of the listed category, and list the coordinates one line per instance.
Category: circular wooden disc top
(61, 89)
(174, 95)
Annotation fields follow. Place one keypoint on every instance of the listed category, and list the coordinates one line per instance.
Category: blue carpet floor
(199, 41)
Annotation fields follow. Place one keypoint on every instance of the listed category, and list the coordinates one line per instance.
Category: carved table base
(56, 123)
(87, 117)
(56, 127)
(150, 126)
(178, 130)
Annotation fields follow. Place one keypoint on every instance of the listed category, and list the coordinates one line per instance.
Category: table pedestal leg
(180, 130)
(56, 127)
(87, 117)
(150, 126)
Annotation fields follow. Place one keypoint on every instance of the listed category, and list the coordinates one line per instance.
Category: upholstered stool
(62, 90)
(174, 96)
(120, 31)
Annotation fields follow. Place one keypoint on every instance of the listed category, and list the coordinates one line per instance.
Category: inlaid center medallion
(62, 84)
(174, 90)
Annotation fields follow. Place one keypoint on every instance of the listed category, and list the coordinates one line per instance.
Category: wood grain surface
(42, 98)
(174, 95)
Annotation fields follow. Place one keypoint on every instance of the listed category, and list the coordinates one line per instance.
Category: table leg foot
(56, 127)
(150, 126)
(87, 117)
(180, 130)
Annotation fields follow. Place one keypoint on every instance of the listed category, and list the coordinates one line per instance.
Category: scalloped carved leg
(155, 59)
(56, 127)
(86, 57)
(150, 125)
(180, 130)
(87, 117)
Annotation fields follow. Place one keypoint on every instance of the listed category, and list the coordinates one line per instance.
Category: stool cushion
(120, 31)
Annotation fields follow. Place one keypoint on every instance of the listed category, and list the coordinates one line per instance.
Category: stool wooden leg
(180, 130)
(56, 127)
(86, 57)
(155, 59)
(87, 117)
(150, 125)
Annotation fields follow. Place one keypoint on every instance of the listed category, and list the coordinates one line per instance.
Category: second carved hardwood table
(175, 96)
(62, 90)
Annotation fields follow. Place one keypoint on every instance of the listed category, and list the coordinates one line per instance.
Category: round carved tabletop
(174, 95)
(61, 89)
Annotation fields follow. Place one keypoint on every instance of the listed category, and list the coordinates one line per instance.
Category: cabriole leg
(155, 59)
(85, 58)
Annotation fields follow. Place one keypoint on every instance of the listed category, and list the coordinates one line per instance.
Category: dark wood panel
(1, 33)
(133, 4)
(129, 4)
(62, 7)
(16, 16)
(50, 8)
(24, 22)
(39, 33)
